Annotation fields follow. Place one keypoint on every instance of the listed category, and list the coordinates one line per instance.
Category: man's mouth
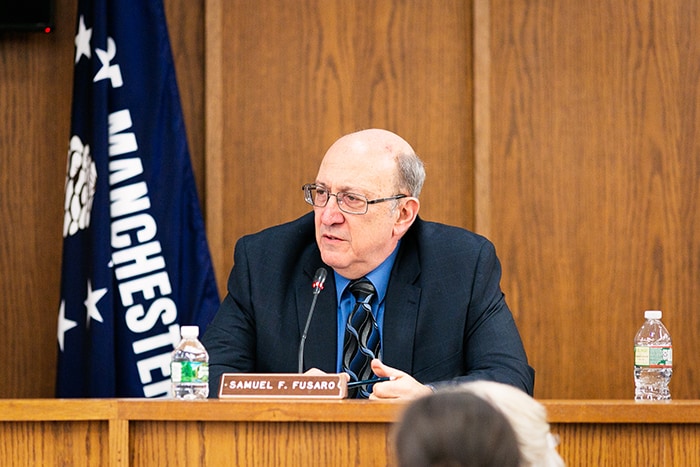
(332, 237)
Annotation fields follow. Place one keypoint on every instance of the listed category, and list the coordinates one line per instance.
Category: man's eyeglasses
(350, 203)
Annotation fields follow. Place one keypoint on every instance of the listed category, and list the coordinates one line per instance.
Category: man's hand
(401, 386)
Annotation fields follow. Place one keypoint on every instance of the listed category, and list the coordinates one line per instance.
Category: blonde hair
(528, 419)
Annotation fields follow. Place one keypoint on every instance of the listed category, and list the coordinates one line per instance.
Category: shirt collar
(379, 277)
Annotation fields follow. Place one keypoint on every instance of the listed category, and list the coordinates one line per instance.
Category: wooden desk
(625, 433)
(138, 432)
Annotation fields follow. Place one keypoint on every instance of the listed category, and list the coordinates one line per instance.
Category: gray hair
(411, 173)
(528, 418)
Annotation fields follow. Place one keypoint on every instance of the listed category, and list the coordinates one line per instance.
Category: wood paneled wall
(35, 97)
(285, 79)
(594, 134)
(564, 131)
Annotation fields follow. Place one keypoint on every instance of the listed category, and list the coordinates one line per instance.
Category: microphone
(317, 284)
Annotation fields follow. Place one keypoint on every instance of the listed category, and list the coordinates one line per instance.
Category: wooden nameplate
(283, 385)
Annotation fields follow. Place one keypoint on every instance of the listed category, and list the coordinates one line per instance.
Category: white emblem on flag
(81, 180)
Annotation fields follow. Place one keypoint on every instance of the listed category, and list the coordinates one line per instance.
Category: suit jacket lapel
(400, 313)
(401, 308)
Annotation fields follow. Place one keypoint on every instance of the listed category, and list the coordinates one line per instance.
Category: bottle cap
(652, 314)
(189, 331)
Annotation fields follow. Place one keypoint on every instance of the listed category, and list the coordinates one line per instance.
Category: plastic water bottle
(653, 359)
(189, 366)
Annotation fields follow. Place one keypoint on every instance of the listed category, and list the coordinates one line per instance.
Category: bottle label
(655, 356)
(189, 372)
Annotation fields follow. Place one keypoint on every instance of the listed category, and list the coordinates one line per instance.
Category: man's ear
(407, 213)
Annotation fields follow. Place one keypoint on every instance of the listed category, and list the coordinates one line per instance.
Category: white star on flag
(64, 325)
(82, 40)
(93, 296)
(107, 70)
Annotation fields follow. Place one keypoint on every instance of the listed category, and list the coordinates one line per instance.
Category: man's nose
(331, 211)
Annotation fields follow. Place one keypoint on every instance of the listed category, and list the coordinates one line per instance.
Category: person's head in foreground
(454, 429)
(528, 419)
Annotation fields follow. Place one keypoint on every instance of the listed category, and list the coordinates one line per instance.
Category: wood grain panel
(612, 445)
(594, 184)
(122, 432)
(604, 442)
(291, 77)
(186, 30)
(35, 96)
(54, 443)
(613, 433)
(258, 443)
(260, 432)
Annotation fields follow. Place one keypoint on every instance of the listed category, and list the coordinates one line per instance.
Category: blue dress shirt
(379, 278)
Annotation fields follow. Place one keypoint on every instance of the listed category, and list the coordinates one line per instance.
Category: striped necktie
(362, 341)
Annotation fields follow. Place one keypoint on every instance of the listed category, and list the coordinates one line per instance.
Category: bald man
(441, 316)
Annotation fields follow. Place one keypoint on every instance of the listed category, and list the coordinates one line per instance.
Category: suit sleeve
(230, 337)
(494, 349)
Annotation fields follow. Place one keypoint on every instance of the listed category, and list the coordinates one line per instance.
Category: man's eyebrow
(345, 188)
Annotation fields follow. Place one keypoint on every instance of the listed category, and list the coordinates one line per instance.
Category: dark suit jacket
(445, 316)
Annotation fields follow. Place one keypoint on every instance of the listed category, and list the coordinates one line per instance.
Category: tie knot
(362, 289)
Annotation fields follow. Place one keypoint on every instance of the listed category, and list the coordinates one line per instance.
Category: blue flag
(136, 264)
